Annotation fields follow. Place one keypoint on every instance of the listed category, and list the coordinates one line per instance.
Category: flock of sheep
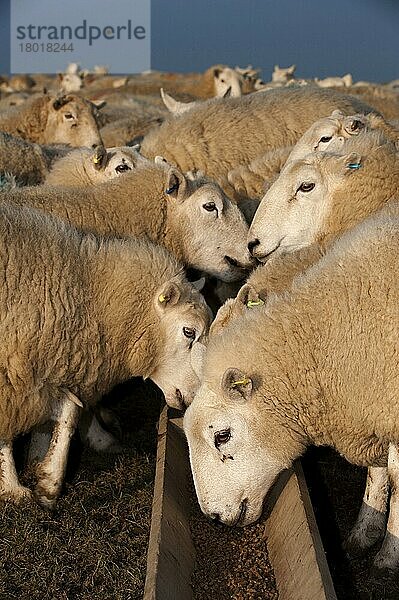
(120, 203)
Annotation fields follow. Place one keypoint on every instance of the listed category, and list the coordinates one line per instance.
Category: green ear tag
(252, 303)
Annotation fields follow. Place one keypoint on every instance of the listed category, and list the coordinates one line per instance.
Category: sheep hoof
(17, 495)
(366, 533)
(386, 562)
(45, 497)
(356, 545)
(45, 501)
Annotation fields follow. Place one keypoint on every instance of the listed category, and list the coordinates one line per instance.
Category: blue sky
(322, 38)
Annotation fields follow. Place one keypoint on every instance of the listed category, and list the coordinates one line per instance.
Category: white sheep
(328, 82)
(252, 180)
(316, 365)
(68, 83)
(220, 134)
(283, 74)
(193, 219)
(79, 315)
(46, 119)
(82, 167)
(321, 195)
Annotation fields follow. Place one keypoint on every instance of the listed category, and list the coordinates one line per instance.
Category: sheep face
(210, 228)
(233, 463)
(183, 324)
(104, 164)
(328, 134)
(227, 82)
(70, 82)
(282, 75)
(292, 213)
(71, 121)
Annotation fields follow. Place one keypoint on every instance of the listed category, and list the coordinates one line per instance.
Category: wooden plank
(171, 555)
(294, 543)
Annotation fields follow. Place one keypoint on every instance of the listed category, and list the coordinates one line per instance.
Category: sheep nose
(94, 146)
(252, 244)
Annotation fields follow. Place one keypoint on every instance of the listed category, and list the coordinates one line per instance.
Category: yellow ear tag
(252, 303)
(241, 382)
(162, 298)
(96, 160)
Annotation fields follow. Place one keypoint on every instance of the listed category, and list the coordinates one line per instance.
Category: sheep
(47, 119)
(82, 167)
(28, 162)
(250, 180)
(79, 315)
(69, 82)
(328, 82)
(283, 75)
(221, 134)
(215, 81)
(309, 204)
(283, 377)
(377, 183)
(193, 219)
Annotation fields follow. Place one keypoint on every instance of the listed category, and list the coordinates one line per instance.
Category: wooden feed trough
(293, 541)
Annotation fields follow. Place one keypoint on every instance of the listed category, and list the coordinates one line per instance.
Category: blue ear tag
(354, 166)
(172, 189)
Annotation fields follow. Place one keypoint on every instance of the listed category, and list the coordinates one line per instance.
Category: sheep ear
(60, 102)
(60, 76)
(99, 104)
(354, 125)
(236, 385)
(171, 104)
(337, 113)
(199, 284)
(248, 296)
(167, 295)
(216, 72)
(227, 93)
(176, 184)
(99, 158)
(291, 69)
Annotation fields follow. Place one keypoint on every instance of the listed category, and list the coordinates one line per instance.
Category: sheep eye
(209, 206)
(222, 437)
(68, 116)
(325, 139)
(306, 187)
(189, 333)
(122, 168)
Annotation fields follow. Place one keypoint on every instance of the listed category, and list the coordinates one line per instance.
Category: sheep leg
(386, 562)
(370, 524)
(10, 488)
(51, 470)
